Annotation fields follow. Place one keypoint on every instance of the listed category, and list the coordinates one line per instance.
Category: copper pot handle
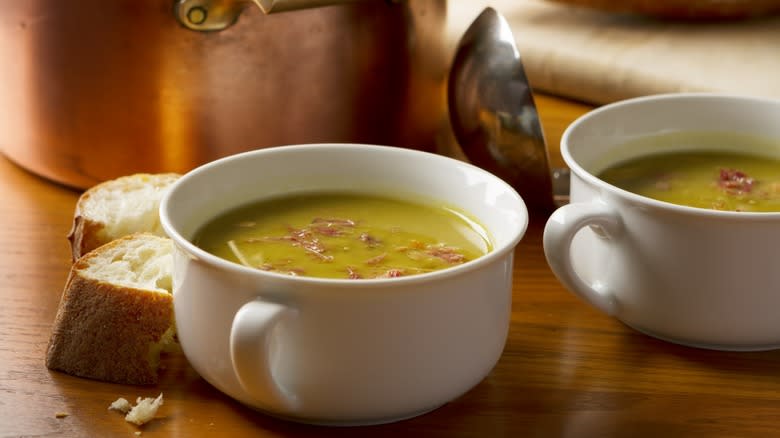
(271, 6)
(215, 15)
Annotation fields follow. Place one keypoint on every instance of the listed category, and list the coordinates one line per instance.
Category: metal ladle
(494, 117)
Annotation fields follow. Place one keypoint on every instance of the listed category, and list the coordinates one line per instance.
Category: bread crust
(85, 234)
(88, 232)
(109, 332)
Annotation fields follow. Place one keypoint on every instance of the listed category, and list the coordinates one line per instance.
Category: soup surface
(718, 180)
(344, 235)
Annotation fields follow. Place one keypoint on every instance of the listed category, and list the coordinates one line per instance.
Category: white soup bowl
(332, 351)
(692, 276)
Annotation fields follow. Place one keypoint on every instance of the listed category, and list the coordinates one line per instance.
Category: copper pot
(95, 89)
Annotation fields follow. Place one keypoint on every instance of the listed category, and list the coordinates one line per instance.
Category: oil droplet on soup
(715, 180)
(344, 235)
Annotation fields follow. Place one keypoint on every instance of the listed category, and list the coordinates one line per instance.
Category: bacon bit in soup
(392, 273)
(327, 230)
(352, 274)
(420, 251)
(303, 238)
(735, 181)
(317, 251)
(413, 245)
(376, 259)
(446, 253)
(369, 240)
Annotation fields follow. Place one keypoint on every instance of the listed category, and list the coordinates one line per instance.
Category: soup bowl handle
(251, 337)
(559, 232)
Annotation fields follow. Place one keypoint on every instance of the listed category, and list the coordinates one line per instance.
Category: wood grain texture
(567, 370)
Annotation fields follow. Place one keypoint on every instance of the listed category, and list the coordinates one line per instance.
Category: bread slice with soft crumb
(116, 208)
(116, 312)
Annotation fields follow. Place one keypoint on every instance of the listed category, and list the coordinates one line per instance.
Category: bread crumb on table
(143, 412)
(121, 405)
(60, 414)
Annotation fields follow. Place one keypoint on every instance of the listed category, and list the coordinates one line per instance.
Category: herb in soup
(344, 235)
(716, 180)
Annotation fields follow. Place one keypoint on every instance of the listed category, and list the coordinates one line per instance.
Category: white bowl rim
(486, 259)
(654, 203)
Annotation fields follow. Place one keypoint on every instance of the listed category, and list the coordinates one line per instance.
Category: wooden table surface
(567, 370)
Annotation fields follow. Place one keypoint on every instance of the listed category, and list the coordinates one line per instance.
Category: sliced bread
(116, 312)
(116, 208)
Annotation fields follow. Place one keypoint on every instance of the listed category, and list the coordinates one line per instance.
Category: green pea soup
(733, 173)
(345, 235)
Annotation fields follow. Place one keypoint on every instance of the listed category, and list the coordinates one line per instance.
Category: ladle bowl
(493, 113)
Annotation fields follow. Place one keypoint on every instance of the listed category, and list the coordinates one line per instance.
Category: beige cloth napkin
(599, 58)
